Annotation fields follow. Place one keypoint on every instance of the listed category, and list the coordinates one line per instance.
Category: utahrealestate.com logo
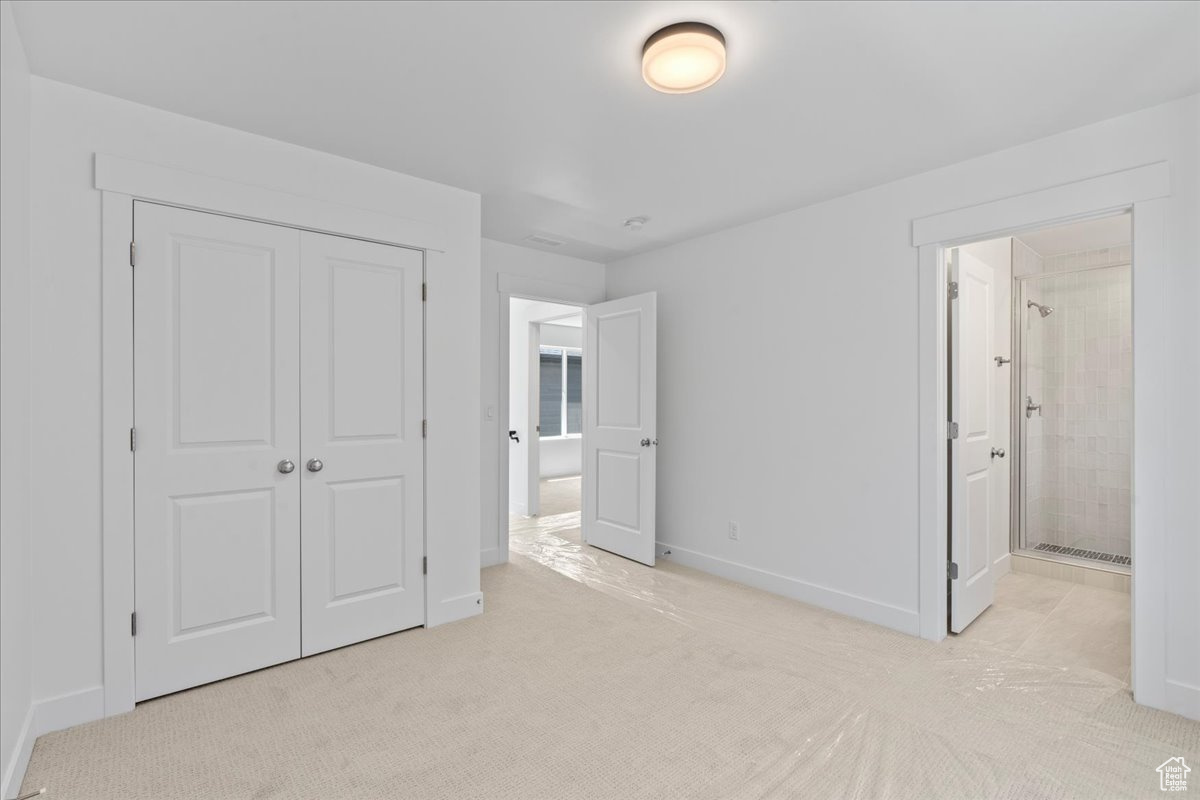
(1173, 775)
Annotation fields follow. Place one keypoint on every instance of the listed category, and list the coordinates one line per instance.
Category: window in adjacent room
(561, 402)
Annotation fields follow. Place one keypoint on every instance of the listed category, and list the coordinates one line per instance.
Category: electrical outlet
(733, 530)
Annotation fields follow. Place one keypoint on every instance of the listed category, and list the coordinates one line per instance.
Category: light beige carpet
(592, 677)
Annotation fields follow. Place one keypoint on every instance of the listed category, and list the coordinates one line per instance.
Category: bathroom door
(972, 395)
(619, 440)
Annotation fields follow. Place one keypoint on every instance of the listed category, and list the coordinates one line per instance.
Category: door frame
(533, 479)
(1142, 191)
(509, 286)
(122, 181)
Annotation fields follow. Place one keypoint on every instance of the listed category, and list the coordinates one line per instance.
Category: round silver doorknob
(645, 442)
(315, 465)
(285, 466)
(997, 452)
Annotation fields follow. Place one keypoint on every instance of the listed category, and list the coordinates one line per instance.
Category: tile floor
(1056, 622)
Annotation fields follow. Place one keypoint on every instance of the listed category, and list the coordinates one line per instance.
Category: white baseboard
(490, 557)
(899, 619)
(1003, 564)
(75, 708)
(47, 716)
(454, 609)
(14, 770)
(515, 507)
(1183, 699)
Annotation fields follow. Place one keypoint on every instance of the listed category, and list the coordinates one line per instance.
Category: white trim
(116, 339)
(1140, 189)
(68, 710)
(1183, 699)
(490, 557)
(1148, 572)
(932, 468)
(14, 770)
(454, 608)
(507, 287)
(121, 182)
(533, 421)
(889, 616)
(191, 190)
(1090, 198)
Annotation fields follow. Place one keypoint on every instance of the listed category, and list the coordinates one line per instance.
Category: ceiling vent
(545, 241)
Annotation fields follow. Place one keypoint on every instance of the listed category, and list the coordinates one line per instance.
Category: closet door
(217, 414)
(362, 396)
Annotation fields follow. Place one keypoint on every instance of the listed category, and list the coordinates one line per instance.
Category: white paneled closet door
(216, 365)
(279, 460)
(362, 396)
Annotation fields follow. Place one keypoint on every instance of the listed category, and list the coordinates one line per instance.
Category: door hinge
(133, 254)
(133, 624)
(952, 431)
(424, 428)
(424, 292)
(953, 290)
(132, 439)
(952, 570)
(424, 565)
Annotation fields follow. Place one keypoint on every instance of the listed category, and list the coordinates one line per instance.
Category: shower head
(1045, 311)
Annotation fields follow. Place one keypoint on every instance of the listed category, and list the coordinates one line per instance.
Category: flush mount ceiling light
(635, 223)
(684, 57)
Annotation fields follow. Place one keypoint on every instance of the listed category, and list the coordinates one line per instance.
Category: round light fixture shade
(684, 57)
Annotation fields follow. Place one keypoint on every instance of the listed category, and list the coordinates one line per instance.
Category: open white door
(972, 375)
(620, 391)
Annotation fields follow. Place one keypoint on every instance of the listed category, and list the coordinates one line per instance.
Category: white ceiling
(540, 106)
(1088, 235)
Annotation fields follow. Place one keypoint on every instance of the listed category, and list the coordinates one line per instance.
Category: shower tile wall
(1080, 367)
(1026, 261)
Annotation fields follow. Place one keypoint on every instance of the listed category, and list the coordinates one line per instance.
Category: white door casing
(216, 356)
(972, 394)
(619, 429)
(362, 395)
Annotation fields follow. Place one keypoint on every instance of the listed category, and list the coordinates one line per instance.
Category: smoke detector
(635, 223)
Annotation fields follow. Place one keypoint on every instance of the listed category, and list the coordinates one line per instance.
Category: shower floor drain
(1094, 555)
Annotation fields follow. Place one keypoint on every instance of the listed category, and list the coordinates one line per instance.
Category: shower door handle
(1031, 407)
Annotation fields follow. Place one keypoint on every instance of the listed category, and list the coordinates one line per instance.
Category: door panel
(972, 379)
(363, 395)
(619, 439)
(216, 358)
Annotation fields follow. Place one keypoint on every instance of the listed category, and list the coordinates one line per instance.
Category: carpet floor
(589, 676)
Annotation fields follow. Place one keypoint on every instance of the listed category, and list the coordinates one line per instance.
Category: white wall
(521, 344)
(549, 270)
(816, 309)
(997, 254)
(560, 456)
(69, 126)
(16, 610)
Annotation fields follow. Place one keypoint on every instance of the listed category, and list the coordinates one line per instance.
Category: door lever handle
(1031, 407)
(513, 435)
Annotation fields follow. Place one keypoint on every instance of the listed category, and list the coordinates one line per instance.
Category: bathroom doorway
(1041, 365)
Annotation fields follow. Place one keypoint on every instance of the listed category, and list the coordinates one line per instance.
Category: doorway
(1040, 366)
(581, 389)
(545, 418)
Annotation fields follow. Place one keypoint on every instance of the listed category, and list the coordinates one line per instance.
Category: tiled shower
(1076, 364)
